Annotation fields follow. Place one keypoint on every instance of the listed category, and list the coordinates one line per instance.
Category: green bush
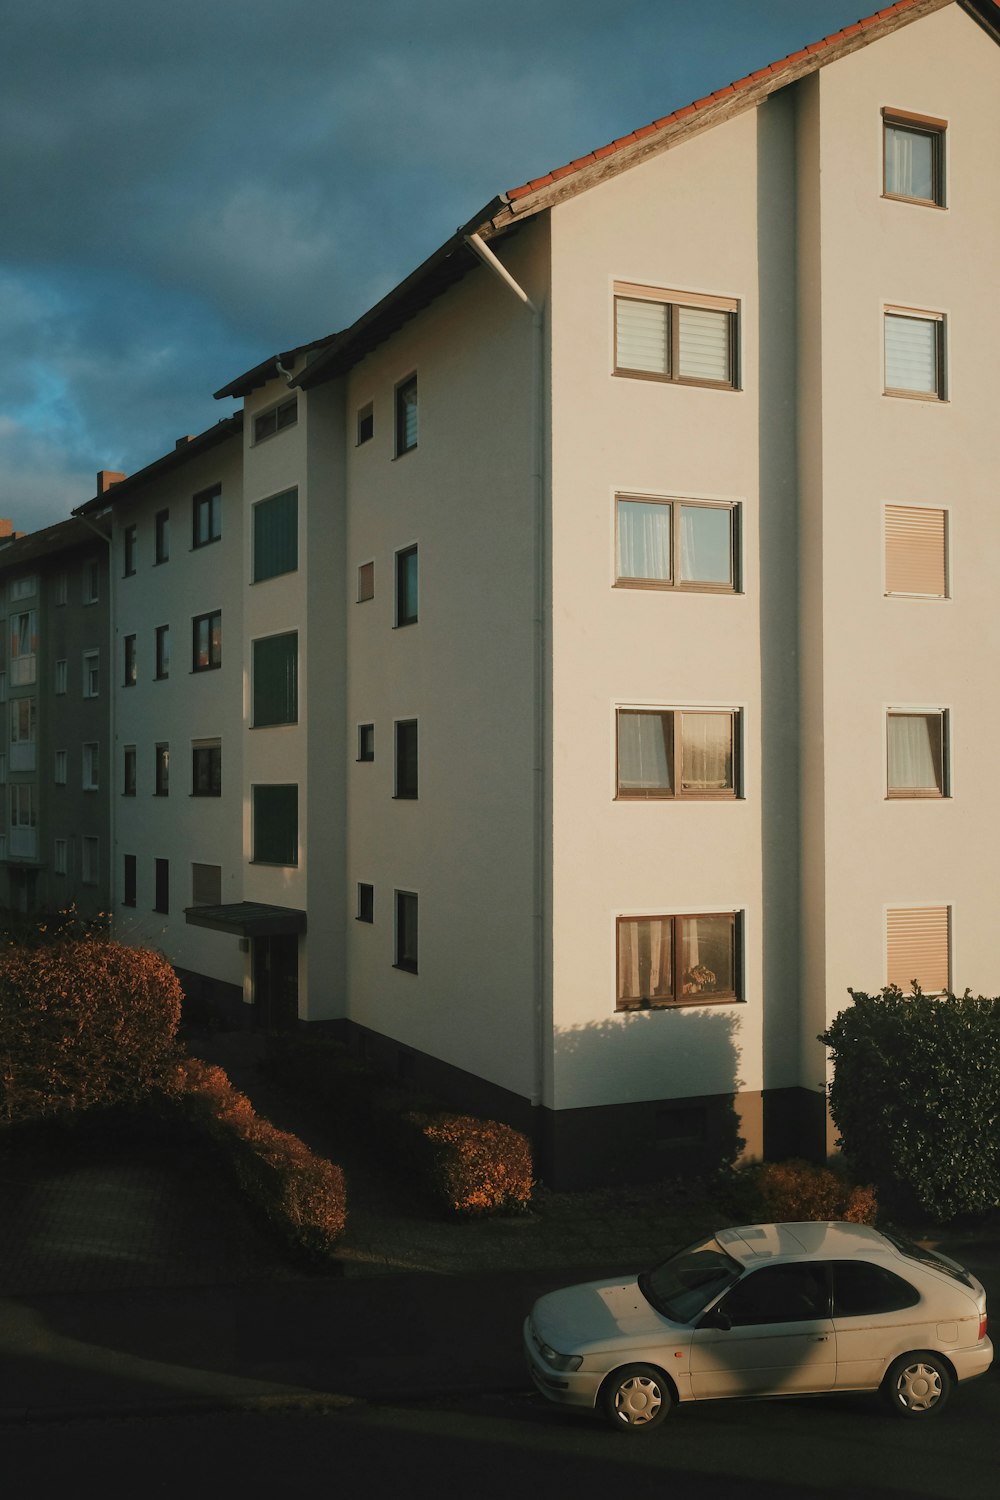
(916, 1097)
(83, 1025)
(302, 1195)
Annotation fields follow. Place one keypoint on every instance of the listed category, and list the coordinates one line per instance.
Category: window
(861, 1290)
(128, 551)
(23, 588)
(206, 768)
(22, 841)
(91, 768)
(680, 544)
(128, 880)
(206, 641)
(206, 885)
(778, 1294)
(161, 537)
(366, 742)
(917, 753)
(62, 587)
(60, 676)
(161, 882)
(91, 674)
(91, 862)
(366, 582)
(406, 931)
(206, 510)
(406, 587)
(913, 157)
(161, 665)
(677, 960)
(23, 729)
(916, 551)
(128, 771)
(366, 424)
(275, 825)
(23, 648)
(276, 419)
(59, 771)
(406, 758)
(677, 752)
(91, 581)
(679, 336)
(161, 771)
(275, 680)
(3, 768)
(366, 902)
(914, 354)
(406, 416)
(130, 661)
(918, 948)
(60, 857)
(276, 536)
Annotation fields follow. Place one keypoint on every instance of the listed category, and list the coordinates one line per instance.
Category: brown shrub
(83, 1025)
(476, 1166)
(790, 1191)
(301, 1194)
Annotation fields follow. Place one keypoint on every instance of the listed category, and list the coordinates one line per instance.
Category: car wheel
(917, 1385)
(636, 1397)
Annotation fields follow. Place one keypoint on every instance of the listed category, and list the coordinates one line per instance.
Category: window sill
(214, 666)
(917, 796)
(403, 453)
(406, 968)
(721, 796)
(665, 586)
(402, 624)
(683, 1004)
(657, 379)
(915, 202)
(199, 546)
(405, 797)
(206, 796)
(277, 864)
(932, 396)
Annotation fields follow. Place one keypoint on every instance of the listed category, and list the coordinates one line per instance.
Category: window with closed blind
(918, 948)
(916, 551)
(679, 336)
(914, 353)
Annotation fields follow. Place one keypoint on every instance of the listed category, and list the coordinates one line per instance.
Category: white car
(765, 1310)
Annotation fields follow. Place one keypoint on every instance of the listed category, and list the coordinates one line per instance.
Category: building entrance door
(276, 982)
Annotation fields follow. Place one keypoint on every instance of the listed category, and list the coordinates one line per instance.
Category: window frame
(365, 906)
(206, 504)
(90, 860)
(213, 641)
(60, 767)
(129, 770)
(161, 886)
(256, 721)
(674, 300)
(936, 131)
(939, 321)
(910, 794)
(405, 791)
(161, 653)
(261, 572)
(401, 404)
(279, 411)
(683, 1000)
(406, 932)
(676, 505)
(92, 672)
(129, 546)
(407, 611)
(131, 661)
(675, 752)
(255, 857)
(366, 744)
(60, 856)
(90, 766)
(60, 677)
(365, 429)
(910, 911)
(130, 880)
(161, 769)
(366, 581)
(904, 532)
(209, 750)
(201, 878)
(161, 538)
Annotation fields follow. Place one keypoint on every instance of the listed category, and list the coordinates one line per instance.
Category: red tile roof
(775, 68)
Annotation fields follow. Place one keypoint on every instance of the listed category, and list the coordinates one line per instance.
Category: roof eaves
(229, 427)
(268, 368)
(50, 540)
(744, 93)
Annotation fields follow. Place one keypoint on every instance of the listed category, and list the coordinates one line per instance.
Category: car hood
(593, 1315)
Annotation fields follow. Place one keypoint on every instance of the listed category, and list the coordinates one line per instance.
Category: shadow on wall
(679, 1070)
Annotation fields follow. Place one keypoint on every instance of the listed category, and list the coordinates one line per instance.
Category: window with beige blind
(677, 960)
(366, 582)
(673, 752)
(917, 752)
(916, 551)
(914, 353)
(918, 948)
(679, 336)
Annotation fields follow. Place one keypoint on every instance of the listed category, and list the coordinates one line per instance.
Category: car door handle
(819, 1338)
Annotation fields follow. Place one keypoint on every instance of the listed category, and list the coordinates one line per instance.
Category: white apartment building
(620, 588)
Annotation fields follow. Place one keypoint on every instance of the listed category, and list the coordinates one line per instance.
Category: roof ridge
(687, 110)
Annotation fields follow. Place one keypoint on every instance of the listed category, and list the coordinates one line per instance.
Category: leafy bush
(302, 1195)
(83, 1025)
(916, 1097)
(474, 1167)
(791, 1191)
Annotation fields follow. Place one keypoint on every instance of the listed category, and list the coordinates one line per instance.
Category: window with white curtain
(672, 752)
(677, 960)
(914, 353)
(676, 543)
(680, 336)
(913, 157)
(917, 753)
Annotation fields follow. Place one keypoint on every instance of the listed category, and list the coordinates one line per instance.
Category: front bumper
(567, 1388)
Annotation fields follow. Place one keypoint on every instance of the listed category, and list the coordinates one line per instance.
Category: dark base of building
(615, 1143)
(212, 1003)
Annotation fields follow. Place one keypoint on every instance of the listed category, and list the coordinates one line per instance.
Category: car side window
(861, 1288)
(778, 1294)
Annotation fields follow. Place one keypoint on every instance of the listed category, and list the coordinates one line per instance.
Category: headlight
(561, 1362)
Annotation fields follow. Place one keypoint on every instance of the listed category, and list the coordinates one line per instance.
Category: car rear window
(860, 1288)
(926, 1257)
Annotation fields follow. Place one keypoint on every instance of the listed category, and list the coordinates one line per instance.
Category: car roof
(749, 1243)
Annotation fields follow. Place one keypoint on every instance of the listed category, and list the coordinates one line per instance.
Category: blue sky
(189, 188)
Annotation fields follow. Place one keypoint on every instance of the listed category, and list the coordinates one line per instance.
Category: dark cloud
(188, 188)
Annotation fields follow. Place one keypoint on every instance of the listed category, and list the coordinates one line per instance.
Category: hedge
(83, 1025)
(474, 1167)
(793, 1191)
(915, 1097)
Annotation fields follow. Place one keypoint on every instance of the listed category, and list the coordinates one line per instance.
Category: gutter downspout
(108, 538)
(486, 255)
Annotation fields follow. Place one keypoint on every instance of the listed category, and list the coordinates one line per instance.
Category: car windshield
(681, 1287)
(927, 1257)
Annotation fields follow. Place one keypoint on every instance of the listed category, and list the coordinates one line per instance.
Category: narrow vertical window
(206, 768)
(206, 641)
(162, 652)
(366, 582)
(130, 660)
(406, 587)
(161, 771)
(406, 759)
(91, 674)
(206, 514)
(275, 825)
(275, 680)
(406, 931)
(128, 771)
(406, 416)
(128, 879)
(366, 424)
(366, 902)
(128, 551)
(161, 878)
(276, 536)
(162, 536)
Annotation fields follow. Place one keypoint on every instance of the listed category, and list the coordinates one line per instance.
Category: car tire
(636, 1398)
(917, 1385)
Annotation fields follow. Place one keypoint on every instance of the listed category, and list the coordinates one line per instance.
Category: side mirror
(717, 1319)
